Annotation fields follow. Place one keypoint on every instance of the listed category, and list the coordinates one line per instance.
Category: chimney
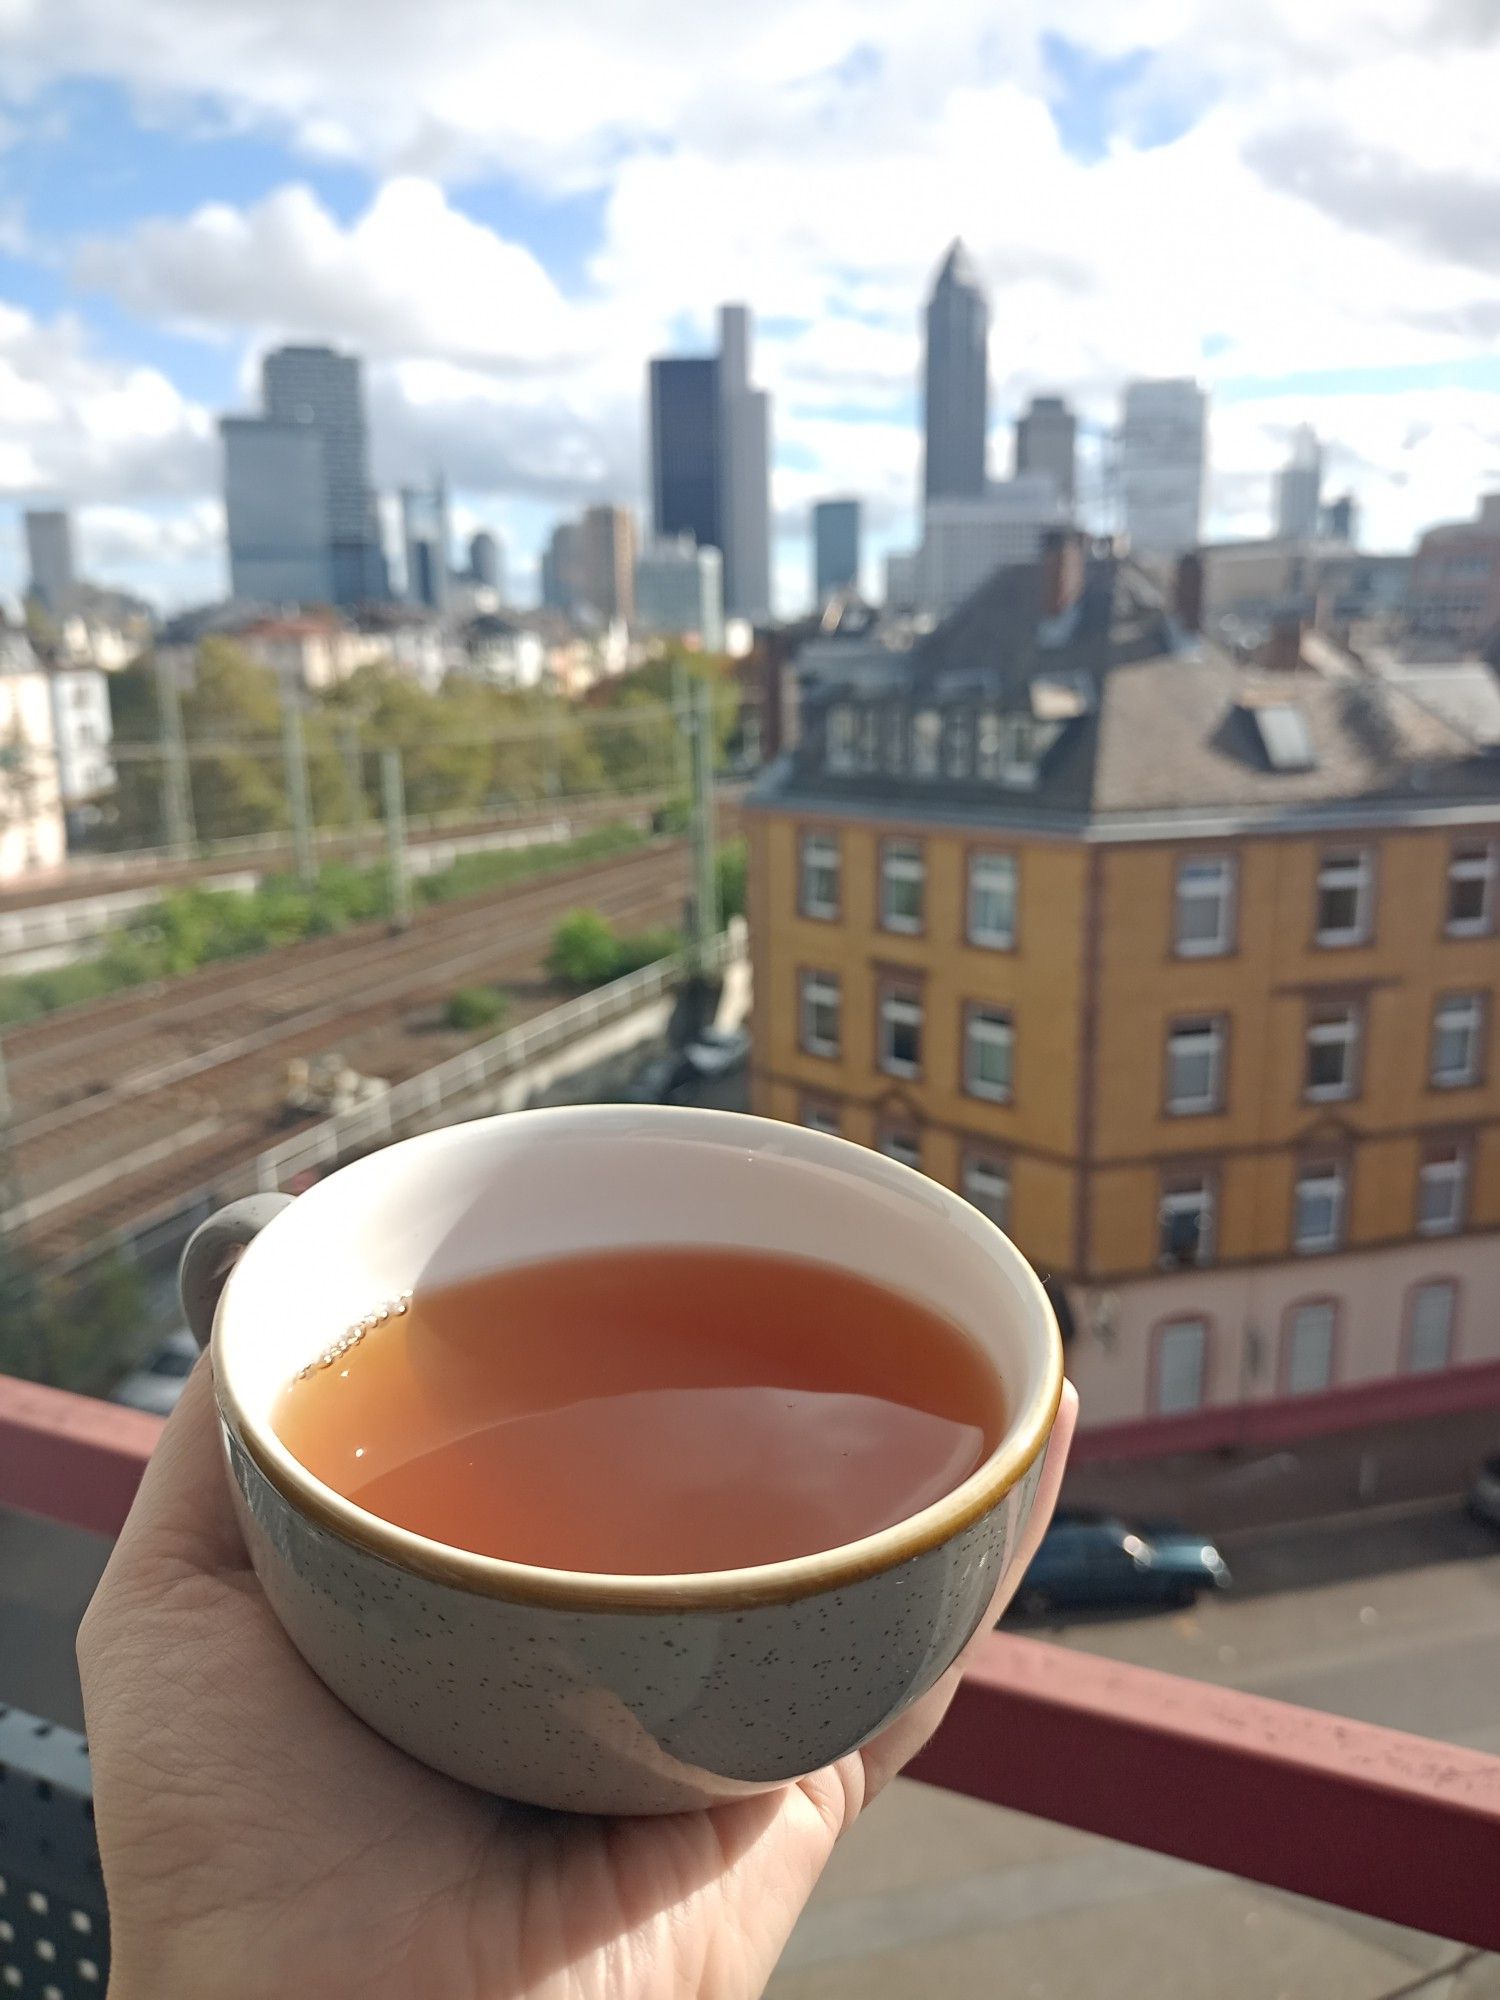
(1062, 570)
(1187, 591)
(1283, 649)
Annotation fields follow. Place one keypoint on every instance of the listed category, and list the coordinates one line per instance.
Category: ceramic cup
(613, 1694)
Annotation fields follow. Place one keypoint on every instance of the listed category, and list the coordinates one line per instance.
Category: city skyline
(507, 276)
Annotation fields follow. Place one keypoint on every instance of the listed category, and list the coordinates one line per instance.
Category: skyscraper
(1161, 464)
(275, 510)
(679, 591)
(1046, 441)
(562, 567)
(744, 473)
(319, 388)
(710, 460)
(49, 554)
(955, 401)
(425, 536)
(835, 547)
(486, 563)
(1299, 488)
(606, 561)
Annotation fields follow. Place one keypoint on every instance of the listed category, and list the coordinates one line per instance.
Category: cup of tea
(626, 1460)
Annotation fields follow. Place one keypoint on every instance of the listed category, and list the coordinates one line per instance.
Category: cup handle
(210, 1254)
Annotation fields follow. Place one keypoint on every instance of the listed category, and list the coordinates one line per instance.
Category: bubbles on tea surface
(354, 1333)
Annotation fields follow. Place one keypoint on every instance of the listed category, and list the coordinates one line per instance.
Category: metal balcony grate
(54, 1926)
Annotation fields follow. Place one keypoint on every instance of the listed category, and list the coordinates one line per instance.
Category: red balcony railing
(1371, 1819)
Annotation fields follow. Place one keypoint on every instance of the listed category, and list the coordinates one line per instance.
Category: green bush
(731, 871)
(584, 949)
(638, 948)
(476, 1007)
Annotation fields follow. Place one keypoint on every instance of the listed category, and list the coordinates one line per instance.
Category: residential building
(312, 649)
(606, 562)
(1454, 589)
(487, 562)
(408, 639)
(955, 381)
(1340, 520)
(506, 652)
(1183, 972)
(836, 538)
(275, 507)
(1161, 465)
(1299, 488)
(49, 554)
(323, 391)
(686, 480)
(82, 730)
(1047, 441)
(902, 577)
(33, 834)
(965, 541)
(562, 569)
(679, 592)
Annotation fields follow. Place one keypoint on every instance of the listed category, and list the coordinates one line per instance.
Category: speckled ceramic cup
(614, 1694)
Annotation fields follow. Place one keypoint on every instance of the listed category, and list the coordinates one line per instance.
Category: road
(1394, 1619)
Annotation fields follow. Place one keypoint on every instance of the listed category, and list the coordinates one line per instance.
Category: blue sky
(508, 209)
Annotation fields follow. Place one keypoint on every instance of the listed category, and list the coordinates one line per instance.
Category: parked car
(1089, 1559)
(713, 1053)
(158, 1382)
(1484, 1494)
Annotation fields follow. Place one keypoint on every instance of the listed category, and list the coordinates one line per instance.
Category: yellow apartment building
(1183, 972)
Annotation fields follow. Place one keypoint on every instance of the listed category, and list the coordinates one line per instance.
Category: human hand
(258, 1840)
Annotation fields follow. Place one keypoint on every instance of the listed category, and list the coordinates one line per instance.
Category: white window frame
(816, 1117)
(1220, 892)
(927, 743)
(1343, 1031)
(1300, 1326)
(1008, 886)
(1187, 1198)
(808, 867)
(1345, 868)
(989, 1027)
(815, 990)
(894, 1145)
(1444, 1173)
(992, 1200)
(907, 1008)
(841, 749)
(1211, 1033)
(902, 861)
(1174, 1405)
(1427, 1289)
(1458, 1013)
(1328, 1180)
(1472, 861)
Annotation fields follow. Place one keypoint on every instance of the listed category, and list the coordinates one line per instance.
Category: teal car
(1093, 1559)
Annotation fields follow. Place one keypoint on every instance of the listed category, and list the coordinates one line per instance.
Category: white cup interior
(510, 1190)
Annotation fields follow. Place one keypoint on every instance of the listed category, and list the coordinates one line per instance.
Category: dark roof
(1141, 718)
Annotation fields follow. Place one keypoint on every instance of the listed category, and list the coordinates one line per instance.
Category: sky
(506, 208)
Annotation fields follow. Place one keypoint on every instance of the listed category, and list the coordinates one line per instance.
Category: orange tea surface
(649, 1411)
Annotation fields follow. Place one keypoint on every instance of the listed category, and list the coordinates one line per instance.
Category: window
(1205, 907)
(1195, 1066)
(1429, 1328)
(992, 901)
(1319, 1220)
(958, 742)
(989, 1053)
(820, 1013)
(1332, 1054)
(818, 1116)
(899, 1142)
(1457, 1028)
(1471, 890)
(841, 745)
(1181, 1366)
(900, 1033)
(1185, 1225)
(1442, 1182)
(867, 739)
(989, 744)
(892, 740)
(926, 742)
(1309, 1346)
(820, 876)
(902, 876)
(986, 1183)
(1344, 898)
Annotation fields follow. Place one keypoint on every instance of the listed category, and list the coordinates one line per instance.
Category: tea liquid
(650, 1411)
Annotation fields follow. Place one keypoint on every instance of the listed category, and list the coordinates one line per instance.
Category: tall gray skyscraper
(486, 561)
(322, 389)
(956, 395)
(744, 472)
(562, 568)
(276, 512)
(710, 452)
(1161, 464)
(835, 547)
(49, 555)
(424, 534)
(1046, 441)
(1299, 488)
